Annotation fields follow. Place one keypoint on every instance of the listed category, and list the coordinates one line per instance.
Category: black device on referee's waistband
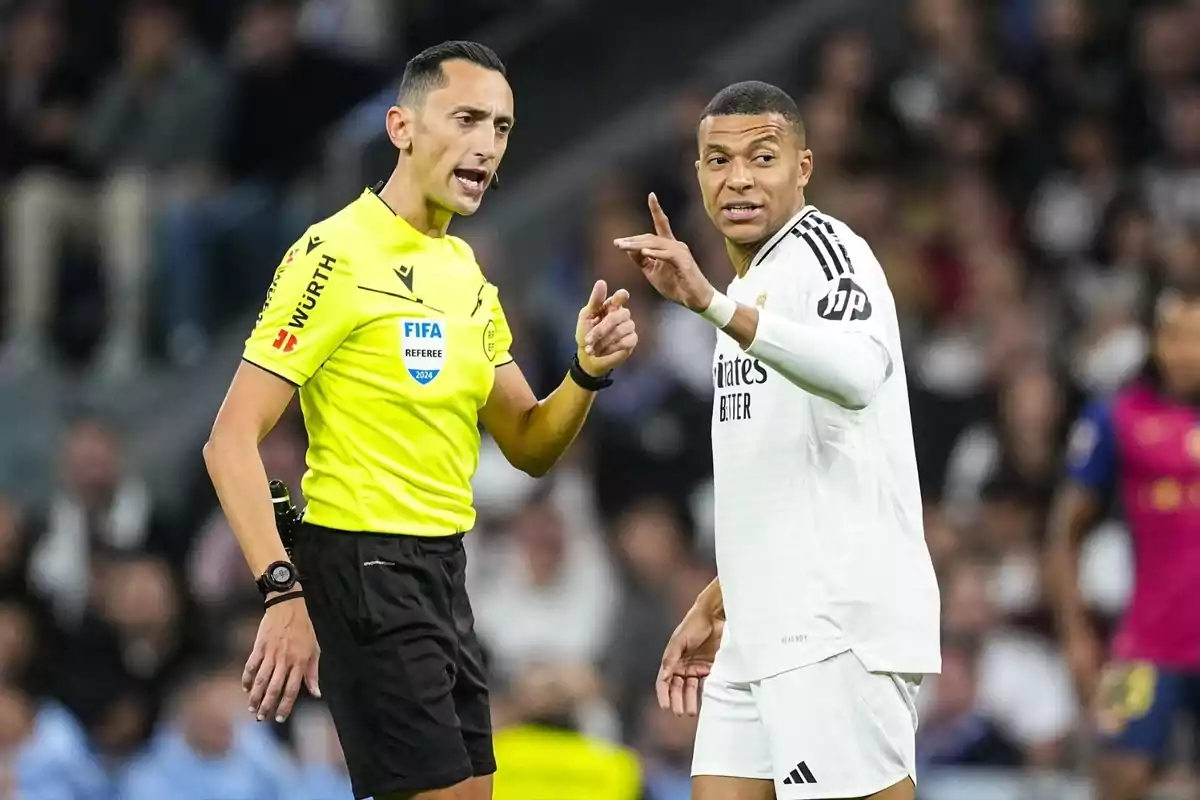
(287, 516)
(281, 576)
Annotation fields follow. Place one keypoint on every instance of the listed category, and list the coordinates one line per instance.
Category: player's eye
(466, 120)
(765, 158)
(717, 161)
(503, 128)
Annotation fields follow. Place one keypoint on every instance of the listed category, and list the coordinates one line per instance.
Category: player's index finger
(662, 225)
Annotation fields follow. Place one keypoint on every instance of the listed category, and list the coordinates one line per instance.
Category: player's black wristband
(283, 598)
(585, 381)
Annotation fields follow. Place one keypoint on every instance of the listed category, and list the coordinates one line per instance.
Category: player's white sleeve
(838, 346)
(845, 366)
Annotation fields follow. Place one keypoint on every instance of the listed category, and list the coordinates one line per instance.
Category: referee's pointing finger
(596, 301)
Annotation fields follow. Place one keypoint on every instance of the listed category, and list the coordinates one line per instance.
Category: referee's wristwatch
(280, 576)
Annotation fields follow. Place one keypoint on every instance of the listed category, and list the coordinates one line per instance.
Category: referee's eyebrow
(481, 113)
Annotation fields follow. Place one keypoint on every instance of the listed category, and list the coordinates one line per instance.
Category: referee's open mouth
(474, 181)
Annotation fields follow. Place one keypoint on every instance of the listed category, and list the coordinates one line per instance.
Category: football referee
(399, 347)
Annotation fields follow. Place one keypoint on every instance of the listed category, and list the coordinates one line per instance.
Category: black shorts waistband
(452, 540)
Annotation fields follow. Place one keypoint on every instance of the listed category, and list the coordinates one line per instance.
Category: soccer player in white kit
(826, 607)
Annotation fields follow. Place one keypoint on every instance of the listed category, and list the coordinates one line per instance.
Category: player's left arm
(836, 350)
(534, 434)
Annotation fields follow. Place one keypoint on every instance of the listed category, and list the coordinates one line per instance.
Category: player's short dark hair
(423, 72)
(750, 98)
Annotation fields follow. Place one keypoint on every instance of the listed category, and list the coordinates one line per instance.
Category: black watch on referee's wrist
(280, 576)
(586, 381)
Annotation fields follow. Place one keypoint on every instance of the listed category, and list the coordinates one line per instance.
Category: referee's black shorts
(401, 667)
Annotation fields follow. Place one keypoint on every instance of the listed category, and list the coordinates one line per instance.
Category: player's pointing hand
(667, 262)
(605, 334)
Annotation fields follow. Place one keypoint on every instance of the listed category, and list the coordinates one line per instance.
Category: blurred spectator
(152, 133)
(262, 166)
(1065, 215)
(43, 95)
(203, 752)
(136, 639)
(666, 750)
(43, 752)
(651, 431)
(560, 586)
(1023, 683)
(652, 551)
(954, 731)
(322, 763)
(99, 509)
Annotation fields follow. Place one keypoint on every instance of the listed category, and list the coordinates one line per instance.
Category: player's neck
(740, 255)
(402, 196)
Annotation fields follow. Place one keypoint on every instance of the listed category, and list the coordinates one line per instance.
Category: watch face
(281, 574)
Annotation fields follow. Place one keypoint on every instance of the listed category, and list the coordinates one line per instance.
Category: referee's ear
(399, 124)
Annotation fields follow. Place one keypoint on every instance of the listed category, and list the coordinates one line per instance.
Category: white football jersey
(819, 527)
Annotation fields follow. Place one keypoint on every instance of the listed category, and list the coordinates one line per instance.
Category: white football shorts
(830, 729)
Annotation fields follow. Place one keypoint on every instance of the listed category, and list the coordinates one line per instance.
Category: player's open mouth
(473, 180)
(740, 212)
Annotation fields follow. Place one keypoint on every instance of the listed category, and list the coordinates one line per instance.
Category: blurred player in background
(826, 607)
(400, 349)
(1142, 449)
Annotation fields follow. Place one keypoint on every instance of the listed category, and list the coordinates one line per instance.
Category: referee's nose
(485, 145)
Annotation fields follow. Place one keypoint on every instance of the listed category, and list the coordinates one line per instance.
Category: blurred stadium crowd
(1027, 176)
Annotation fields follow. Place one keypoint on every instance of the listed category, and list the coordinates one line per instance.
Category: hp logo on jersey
(423, 345)
(846, 301)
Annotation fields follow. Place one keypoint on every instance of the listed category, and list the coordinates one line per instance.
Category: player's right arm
(690, 652)
(309, 310)
(1091, 465)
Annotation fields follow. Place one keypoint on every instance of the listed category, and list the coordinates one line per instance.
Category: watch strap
(585, 381)
(283, 598)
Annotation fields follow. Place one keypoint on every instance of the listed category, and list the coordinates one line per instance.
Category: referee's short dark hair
(750, 98)
(423, 73)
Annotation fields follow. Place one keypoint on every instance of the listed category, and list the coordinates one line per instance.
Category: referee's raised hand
(605, 333)
(285, 654)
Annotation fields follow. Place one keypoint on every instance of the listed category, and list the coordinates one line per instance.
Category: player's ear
(399, 127)
(806, 168)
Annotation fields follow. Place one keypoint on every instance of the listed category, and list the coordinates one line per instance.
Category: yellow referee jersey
(393, 338)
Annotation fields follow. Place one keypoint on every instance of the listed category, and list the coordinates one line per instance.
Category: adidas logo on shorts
(800, 774)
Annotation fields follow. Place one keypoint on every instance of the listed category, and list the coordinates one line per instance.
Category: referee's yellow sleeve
(311, 307)
(504, 335)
